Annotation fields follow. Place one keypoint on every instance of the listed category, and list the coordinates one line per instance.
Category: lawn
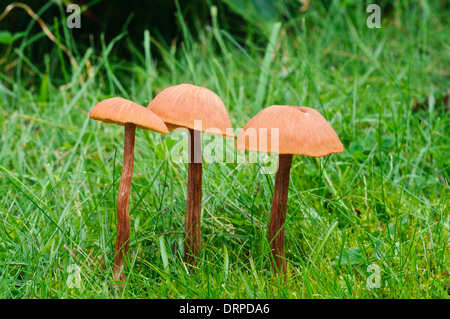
(371, 222)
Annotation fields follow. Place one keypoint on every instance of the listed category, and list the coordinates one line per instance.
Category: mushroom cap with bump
(180, 105)
(121, 111)
(301, 131)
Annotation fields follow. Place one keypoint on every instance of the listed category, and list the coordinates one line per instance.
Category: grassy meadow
(372, 222)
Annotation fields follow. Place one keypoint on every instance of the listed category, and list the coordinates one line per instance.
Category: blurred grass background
(382, 203)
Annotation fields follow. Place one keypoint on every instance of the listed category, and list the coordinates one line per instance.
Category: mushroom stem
(278, 214)
(192, 241)
(123, 196)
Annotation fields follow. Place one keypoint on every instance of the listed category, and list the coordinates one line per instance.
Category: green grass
(382, 203)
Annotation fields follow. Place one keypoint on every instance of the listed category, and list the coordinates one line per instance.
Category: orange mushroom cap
(301, 131)
(120, 111)
(181, 105)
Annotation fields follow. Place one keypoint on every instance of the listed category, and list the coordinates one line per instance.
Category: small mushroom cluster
(301, 131)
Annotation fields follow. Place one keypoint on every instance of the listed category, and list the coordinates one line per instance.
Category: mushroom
(186, 105)
(131, 115)
(301, 131)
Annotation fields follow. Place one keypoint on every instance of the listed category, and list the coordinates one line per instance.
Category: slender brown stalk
(278, 214)
(192, 241)
(123, 198)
